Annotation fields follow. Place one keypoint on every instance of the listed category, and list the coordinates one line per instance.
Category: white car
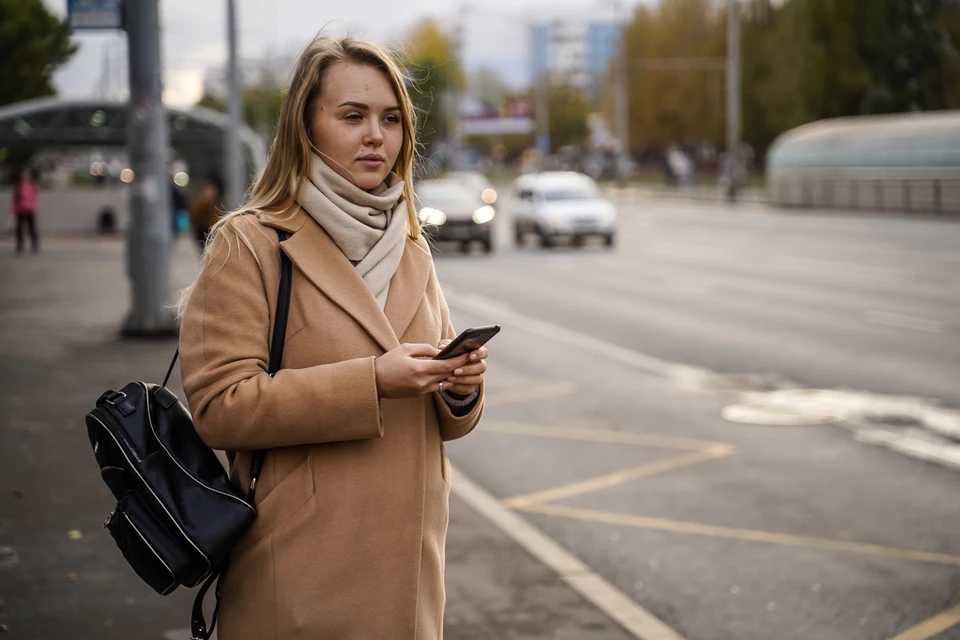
(562, 204)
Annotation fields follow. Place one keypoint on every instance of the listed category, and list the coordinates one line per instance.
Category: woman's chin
(368, 181)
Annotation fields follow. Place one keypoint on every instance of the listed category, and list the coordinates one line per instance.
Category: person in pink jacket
(26, 195)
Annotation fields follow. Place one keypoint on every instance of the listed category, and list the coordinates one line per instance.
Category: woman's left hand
(468, 377)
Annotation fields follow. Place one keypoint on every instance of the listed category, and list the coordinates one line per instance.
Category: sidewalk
(61, 577)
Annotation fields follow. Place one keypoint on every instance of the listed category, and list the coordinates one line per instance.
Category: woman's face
(357, 124)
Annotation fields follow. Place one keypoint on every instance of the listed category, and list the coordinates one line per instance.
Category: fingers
(420, 350)
(460, 389)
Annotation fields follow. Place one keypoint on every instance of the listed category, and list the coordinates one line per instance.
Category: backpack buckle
(119, 400)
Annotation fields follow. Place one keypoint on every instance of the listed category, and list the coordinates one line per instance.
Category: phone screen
(470, 340)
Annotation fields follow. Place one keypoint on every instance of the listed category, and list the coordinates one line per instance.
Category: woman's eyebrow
(360, 105)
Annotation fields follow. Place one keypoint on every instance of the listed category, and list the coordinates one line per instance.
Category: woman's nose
(374, 135)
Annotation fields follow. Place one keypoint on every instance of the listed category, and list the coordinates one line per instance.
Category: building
(575, 51)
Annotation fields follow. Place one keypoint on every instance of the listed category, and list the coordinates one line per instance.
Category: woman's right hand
(409, 370)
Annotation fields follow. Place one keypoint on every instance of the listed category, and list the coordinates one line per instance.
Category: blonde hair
(288, 164)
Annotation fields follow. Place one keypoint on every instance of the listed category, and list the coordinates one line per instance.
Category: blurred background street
(721, 237)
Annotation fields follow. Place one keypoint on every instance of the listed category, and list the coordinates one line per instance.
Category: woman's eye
(393, 119)
(354, 116)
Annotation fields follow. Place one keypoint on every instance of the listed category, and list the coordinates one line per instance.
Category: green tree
(567, 109)
(33, 43)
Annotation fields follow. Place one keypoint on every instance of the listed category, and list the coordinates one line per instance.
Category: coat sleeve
(453, 426)
(224, 351)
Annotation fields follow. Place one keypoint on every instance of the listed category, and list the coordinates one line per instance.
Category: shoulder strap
(276, 347)
(198, 628)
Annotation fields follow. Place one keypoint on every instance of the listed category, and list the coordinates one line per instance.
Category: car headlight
(484, 214)
(489, 195)
(429, 215)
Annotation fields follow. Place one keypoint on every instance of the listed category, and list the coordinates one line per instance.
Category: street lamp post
(149, 232)
(233, 156)
(733, 97)
(621, 109)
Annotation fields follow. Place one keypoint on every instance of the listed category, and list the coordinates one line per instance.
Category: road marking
(613, 479)
(749, 535)
(491, 308)
(530, 392)
(935, 625)
(904, 322)
(631, 616)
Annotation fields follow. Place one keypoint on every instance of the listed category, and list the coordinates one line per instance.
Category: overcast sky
(194, 37)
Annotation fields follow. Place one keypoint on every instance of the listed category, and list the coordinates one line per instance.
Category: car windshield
(571, 192)
(448, 194)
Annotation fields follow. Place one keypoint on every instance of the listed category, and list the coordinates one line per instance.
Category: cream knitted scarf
(369, 227)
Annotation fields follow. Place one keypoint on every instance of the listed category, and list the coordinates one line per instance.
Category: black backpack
(178, 515)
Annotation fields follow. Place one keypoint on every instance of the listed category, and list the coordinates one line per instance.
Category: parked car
(455, 213)
(562, 204)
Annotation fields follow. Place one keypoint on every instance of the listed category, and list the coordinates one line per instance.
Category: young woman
(353, 497)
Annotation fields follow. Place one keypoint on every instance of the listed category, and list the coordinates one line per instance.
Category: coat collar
(314, 253)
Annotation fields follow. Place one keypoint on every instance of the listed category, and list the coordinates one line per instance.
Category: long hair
(288, 164)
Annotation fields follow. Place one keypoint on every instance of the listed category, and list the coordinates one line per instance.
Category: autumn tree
(431, 72)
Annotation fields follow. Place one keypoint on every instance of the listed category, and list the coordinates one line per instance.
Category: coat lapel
(407, 286)
(315, 254)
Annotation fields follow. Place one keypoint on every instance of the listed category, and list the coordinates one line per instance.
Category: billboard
(95, 14)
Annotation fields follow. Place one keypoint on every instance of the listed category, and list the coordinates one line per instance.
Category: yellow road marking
(601, 435)
(935, 625)
(530, 392)
(782, 539)
(613, 479)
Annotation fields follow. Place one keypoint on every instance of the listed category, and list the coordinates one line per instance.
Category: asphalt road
(723, 529)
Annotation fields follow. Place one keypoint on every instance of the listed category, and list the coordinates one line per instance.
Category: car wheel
(547, 241)
(608, 240)
(519, 235)
(578, 240)
(487, 246)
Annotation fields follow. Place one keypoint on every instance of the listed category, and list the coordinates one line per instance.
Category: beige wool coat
(353, 498)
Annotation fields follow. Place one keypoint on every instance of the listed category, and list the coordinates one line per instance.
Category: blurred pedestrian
(352, 506)
(178, 208)
(26, 197)
(205, 209)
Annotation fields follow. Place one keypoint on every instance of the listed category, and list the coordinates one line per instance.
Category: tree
(260, 106)
(667, 106)
(33, 43)
(427, 58)
(567, 110)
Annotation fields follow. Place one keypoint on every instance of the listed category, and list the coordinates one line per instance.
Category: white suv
(562, 204)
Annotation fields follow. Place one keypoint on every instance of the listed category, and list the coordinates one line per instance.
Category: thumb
(421, 350)
(443, 343)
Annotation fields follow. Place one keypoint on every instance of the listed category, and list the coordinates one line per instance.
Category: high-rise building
(574, 51)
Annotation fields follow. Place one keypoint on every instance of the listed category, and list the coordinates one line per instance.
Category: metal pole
(149, 232)
(621, 110)
(234, 178)
(733, 96)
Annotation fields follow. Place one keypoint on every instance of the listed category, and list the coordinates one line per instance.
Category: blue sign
(94, 14)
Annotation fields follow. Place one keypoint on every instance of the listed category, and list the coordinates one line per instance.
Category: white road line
(502, 313)
(904, 322)
(635, 619)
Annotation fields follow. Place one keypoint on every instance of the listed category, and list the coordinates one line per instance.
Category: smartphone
(470, 340)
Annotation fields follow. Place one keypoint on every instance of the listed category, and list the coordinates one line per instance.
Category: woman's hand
(409, 370)
(469, 374)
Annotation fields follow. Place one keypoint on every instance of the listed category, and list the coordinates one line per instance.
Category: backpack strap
(198, 627)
